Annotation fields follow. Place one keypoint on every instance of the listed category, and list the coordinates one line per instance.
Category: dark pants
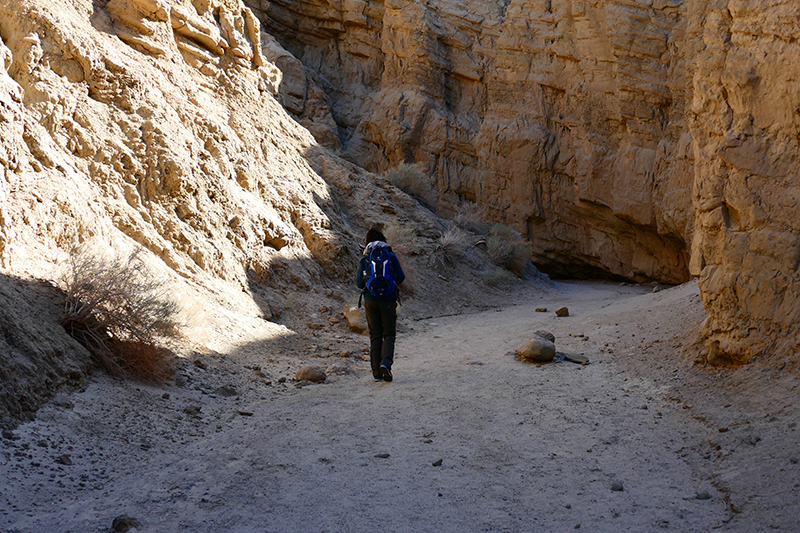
(382, 321)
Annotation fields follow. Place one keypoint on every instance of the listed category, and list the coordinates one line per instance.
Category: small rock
(310, 373)
(752, 440)
(356, 320)
(282, 379)
(437, 462)
(382, 455)
(64, 460)
(314, 326)
(192, 410)
(123, 523)
(546, 334)
(702, 496)
(541, 309)
(9, 435)
(165, 396)
(226, 391)
(246, 413)
(562, 312)
(617, 486)
(200, 364)
(574, 358)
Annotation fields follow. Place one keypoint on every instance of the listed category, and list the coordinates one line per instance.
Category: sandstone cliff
(153, 123)
(624, 138)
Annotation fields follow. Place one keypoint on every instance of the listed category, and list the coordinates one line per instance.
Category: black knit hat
(375, 235)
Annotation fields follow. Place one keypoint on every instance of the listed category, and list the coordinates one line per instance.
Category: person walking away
(379, 275)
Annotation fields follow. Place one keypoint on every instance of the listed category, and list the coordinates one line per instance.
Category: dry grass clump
(499, 278)
(412, 180)
(472, 217)
(402, 239)
(507, 248)
(119, 311)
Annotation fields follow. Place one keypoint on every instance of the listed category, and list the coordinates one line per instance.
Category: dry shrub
(499, 278)
(454, 240)
(472, 217)
(412, 180)
(507, 248)
(449, 247)
(402, 239)
(119, 311)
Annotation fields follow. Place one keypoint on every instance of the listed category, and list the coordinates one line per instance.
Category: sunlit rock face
(159, 124)
(634, 139)
(745, 118)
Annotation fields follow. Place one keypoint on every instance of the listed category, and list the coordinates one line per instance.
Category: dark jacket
(361, 278)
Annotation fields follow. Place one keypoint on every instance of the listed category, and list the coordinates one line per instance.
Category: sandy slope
(519, 447)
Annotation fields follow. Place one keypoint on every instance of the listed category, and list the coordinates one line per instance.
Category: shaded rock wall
(564, 119)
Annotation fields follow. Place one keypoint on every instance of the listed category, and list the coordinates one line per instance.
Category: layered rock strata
(745, 119)
(563, 119)
(624, 138)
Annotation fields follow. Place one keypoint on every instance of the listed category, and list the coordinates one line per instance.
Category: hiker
(379, 275)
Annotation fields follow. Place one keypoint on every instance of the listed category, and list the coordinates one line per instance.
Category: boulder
(310, 373)
(537, 349)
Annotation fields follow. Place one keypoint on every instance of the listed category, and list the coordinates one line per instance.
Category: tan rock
(310, 373)
(537, 349)
(356, 320)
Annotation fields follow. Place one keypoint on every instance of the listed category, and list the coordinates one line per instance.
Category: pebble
(437, 462)
(574, 358)
(562, 312)
(382, 455)
(703, 496)
(541, 309)
(123, 523)
(64, 460)
(617, 486)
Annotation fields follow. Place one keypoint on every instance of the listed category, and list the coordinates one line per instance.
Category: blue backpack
(379, 272)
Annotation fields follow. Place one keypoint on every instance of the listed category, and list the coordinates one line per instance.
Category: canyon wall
(745, 119)
(563, 119)
(153, 124)
(634, 139)
(639, 140)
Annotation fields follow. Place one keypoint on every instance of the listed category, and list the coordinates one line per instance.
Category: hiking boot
(387, 374)
(378, 379)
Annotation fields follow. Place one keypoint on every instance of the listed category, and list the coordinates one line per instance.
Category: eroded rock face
(624, 138)
(564, 119)
(745, 122)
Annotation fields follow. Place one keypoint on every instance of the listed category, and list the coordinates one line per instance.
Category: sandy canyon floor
(466, 438)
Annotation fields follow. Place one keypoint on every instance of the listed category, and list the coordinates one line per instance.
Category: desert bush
(412, 180)
(498, 277)
(402, 239)
(471, 217)
(449, 246)
(119, 310)
(507, 248)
